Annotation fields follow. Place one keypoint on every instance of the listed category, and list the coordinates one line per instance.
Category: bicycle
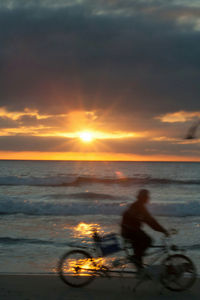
(79, 267)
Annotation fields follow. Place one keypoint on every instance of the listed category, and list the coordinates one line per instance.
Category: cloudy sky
(99, 79)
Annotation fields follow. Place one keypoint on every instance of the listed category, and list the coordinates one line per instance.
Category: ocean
(48, 206)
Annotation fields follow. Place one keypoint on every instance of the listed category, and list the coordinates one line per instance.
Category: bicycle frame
(159, 254)
(88, 262)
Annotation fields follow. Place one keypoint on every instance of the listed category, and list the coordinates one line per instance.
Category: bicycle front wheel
(178, 273)
(76, 268)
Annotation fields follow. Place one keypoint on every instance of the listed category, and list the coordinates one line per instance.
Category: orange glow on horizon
(88, 135)
(91, 156)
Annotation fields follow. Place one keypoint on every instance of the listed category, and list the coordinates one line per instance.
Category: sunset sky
(99, 79)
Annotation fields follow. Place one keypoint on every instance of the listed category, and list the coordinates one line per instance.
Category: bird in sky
(191, 134)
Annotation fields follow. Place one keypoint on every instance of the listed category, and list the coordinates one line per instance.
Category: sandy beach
(41, 287)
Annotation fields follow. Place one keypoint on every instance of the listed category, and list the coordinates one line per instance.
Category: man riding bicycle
(132, 221)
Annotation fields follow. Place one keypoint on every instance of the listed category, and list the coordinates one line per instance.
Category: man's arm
(151, 221)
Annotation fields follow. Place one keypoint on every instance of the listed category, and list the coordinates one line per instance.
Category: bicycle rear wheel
(76, 268)
(179, 273)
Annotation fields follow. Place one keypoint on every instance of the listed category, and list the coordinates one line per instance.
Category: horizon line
(77, 160)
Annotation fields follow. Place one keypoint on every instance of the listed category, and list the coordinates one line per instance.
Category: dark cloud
(133, 55)
(127, 60)
(31, 143)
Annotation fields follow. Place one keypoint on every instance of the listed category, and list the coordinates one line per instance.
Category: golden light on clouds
(22, 130)
(79, 119)
(179, 116)
(84, 134)
(78, 124)
(87, 135)
(175, 140)
(165, 139)
(15, 115)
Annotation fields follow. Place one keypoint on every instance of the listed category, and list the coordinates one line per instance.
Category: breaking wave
(70, 208)
(14, 241)
(54, 181)
(9, 240)
(85, 196)
(21, 241)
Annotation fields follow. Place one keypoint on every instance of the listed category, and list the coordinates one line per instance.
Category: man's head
(143, 196)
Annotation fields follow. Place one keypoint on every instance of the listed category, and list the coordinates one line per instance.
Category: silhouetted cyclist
(132, 221)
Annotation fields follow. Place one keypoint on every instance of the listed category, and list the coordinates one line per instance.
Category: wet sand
(50, 287)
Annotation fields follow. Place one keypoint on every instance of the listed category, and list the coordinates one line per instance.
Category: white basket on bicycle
(109, 244)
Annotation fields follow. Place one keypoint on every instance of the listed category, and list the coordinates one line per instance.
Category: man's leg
(141, 242)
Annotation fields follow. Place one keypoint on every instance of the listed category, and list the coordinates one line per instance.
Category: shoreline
(41, 287)
(44, 274)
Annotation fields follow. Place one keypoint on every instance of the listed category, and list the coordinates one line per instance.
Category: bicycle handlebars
(172, 231)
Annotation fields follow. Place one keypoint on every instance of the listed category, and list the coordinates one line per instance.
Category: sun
(86, 136)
